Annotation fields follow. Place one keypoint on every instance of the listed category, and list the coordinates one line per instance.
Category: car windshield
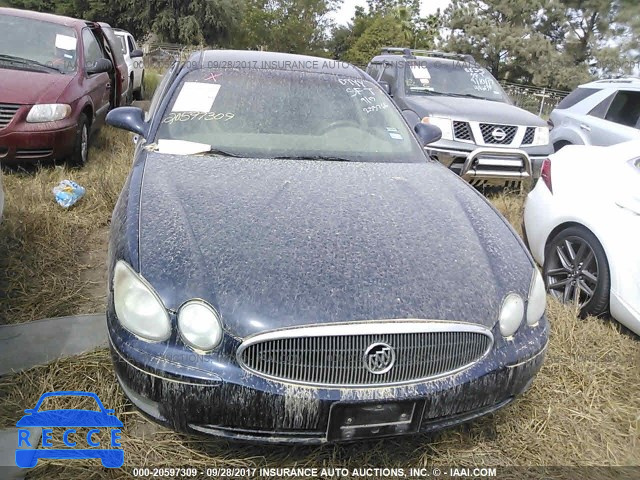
(123, 44)
(264, 113)
(31, 44)
(452, 78)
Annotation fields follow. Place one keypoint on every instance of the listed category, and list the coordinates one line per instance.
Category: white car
(135, 63)
(582, 223)
(604, 112)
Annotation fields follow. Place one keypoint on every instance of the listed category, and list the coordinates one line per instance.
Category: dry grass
(47, 254)
(583, 409)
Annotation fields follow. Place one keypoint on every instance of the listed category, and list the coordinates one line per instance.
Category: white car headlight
(48, 112)
(537, 299)
(199, 325)
(511, 314)
(138, 306)
(445, 124)
(541, 136)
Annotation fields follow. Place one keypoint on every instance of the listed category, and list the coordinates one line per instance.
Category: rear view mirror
(128, 118)
(102, 65)
(136, 54)
(385, 86)
(428, 133)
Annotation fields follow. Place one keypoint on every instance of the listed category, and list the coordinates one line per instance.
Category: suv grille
(462, 131)
(498, 134)
(351, 356)
(7, 112)
(529, 135)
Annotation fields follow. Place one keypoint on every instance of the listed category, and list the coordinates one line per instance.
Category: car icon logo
(499, 134)
(379, 358)
(79, 445)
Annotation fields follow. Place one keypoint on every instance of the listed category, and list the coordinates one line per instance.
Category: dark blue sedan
(288, 265)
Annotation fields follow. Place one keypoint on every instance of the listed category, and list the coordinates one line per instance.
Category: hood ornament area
(379, 358)
(499, 134)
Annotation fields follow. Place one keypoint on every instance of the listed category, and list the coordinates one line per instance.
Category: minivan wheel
(576, 270)
(80, 153)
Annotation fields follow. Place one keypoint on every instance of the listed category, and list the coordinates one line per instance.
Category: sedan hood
(278, 243)
(484, 111)
(42, 87)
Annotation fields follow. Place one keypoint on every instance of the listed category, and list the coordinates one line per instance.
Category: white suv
(135, 63)
(604, 112)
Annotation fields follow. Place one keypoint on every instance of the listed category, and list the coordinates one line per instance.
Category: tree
(386, 23)
(557, 43)
(384, 31)
(296, 26)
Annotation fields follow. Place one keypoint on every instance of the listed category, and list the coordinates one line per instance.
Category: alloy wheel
(572, 273)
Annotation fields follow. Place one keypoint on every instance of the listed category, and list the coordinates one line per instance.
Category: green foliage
(556, 43)
(386, 23)
(296, 26)
(383, 31)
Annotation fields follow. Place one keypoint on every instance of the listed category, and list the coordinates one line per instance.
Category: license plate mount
(353, 421)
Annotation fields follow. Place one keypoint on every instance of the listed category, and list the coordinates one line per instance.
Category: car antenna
(201, 62)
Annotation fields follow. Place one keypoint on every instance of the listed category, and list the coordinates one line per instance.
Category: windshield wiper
(327, 158)
(425, 91)
(469, 95)
(27, 61)
(221, 153)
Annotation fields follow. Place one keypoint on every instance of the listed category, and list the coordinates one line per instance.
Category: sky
(345, 13)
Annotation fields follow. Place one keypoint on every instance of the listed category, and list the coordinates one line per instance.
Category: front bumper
(32, 143)
(492, 165)
(235, 404)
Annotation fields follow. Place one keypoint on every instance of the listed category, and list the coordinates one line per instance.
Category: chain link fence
(538, 100)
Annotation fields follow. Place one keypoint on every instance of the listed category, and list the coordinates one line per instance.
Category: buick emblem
(499, 134)
(379, 358)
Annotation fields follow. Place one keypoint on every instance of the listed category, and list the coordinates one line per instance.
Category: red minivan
(59, 77)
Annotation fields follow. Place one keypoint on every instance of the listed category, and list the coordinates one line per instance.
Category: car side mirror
(130, 119)
(136, 54)
(109, 411)
(29, 410)
(385, 86)
(428, 133)
(102, 65)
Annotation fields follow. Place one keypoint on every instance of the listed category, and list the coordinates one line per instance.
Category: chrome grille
(7, 112)
(31, 153)
(529, 135)
(334, 355)
(488, 130)
(462, 131)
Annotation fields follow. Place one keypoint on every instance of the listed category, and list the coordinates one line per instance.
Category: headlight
(541, 136)
(537, 299)
(511, 314)
(199, 325)
(445, 124)
(138, 306)
(48, 112)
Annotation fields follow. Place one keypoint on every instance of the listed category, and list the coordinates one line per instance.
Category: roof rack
(409, 53)
(406, 52)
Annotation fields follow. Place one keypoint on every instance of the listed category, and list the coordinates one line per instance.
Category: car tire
(575, 258)
(139, 94)
(130, 92)
(80, 154)
(560, 145)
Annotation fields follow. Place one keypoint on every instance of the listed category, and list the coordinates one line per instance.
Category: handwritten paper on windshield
(196, 97)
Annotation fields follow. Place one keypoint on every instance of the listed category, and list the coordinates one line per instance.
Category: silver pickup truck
(485, 138)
